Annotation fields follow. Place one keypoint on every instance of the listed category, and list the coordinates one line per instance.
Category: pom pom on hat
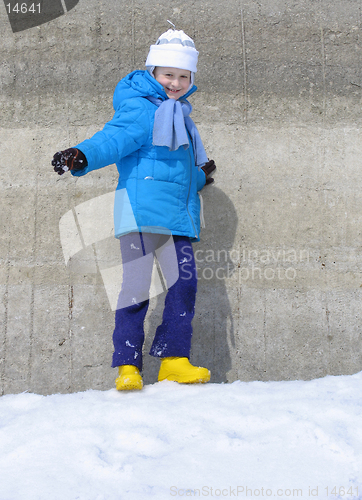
(173, 49)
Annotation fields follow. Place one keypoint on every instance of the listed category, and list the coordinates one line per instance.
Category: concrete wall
(279, 109)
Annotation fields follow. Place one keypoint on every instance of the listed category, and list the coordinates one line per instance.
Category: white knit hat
(173, 49)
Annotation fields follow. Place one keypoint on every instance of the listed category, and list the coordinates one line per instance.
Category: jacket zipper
(188, 196)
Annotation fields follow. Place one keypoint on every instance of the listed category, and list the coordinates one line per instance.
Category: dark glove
(70, 159)
(208, 168)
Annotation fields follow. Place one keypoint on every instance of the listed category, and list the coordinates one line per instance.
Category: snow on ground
(282, 440)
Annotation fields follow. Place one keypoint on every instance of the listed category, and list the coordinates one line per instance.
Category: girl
(162, 166)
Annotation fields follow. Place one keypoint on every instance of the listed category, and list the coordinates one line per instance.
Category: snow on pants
(173, 336)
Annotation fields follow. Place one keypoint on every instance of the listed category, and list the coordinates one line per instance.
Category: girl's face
(175, 82)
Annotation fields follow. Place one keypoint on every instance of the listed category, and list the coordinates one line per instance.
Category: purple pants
(176, 259)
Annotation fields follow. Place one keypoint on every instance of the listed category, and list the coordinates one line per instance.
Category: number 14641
(24, 8)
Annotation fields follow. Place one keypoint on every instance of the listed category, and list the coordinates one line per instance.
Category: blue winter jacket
(162, 185)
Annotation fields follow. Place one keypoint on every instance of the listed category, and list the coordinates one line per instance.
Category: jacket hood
(140, 83)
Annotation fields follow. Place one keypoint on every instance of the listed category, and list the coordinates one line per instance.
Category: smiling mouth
(173, 91)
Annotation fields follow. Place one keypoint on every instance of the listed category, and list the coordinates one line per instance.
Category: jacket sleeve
(201, 179)
(125, 133)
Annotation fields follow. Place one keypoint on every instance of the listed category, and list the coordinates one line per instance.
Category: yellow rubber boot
(182, 371)
(129, 378)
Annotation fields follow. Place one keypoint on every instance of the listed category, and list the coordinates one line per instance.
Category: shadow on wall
(213, 326)
(214, 334)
